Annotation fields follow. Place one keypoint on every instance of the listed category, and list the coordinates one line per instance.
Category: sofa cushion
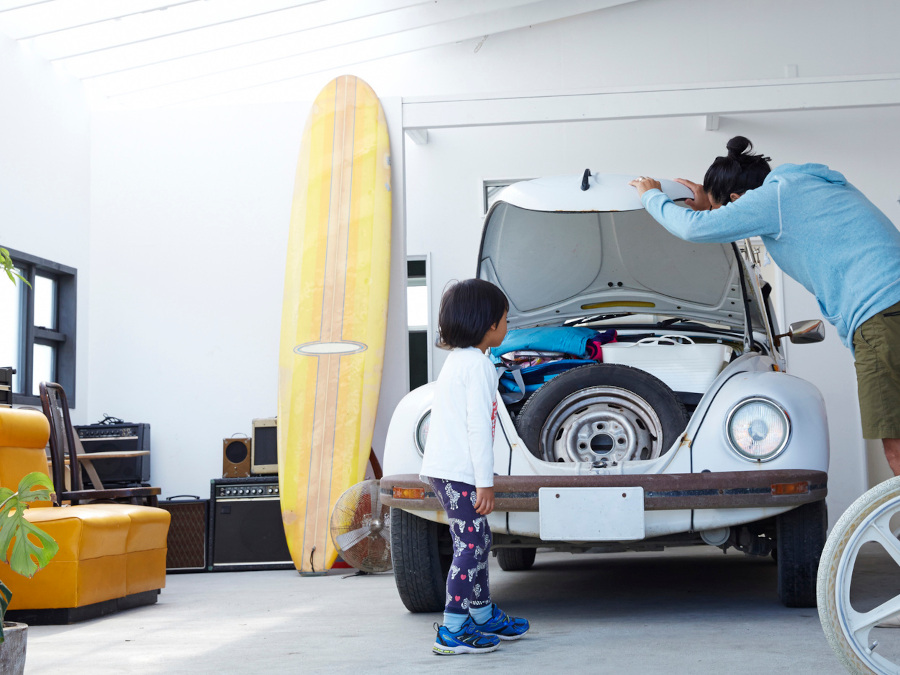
(148, 528)
(83, 532)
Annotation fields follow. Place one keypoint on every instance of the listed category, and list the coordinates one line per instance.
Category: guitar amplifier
(187, 538)
(245, 525)
(116, 437)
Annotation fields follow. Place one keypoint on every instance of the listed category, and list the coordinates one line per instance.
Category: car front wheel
(800, 538)
(516, 559)
(421, 559)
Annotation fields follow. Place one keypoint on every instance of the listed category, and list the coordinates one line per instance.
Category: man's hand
(700, 202)
(643, 184)
(484, 500)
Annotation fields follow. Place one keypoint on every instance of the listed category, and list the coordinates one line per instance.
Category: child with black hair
(459, 464)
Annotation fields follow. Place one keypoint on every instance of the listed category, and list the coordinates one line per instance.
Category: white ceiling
(148, 53)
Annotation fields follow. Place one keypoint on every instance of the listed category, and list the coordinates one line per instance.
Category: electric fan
(361, 528)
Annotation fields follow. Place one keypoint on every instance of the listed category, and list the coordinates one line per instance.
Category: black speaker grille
(236, 451)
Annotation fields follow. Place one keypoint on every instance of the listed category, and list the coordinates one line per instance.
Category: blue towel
(566, 339)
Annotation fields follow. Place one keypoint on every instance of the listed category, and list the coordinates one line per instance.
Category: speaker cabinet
(117, 472)
(264, 450)
(188, 533)
(245, 522)
(235, 457)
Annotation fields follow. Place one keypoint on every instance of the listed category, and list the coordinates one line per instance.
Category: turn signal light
(409, 493)
(790, 488)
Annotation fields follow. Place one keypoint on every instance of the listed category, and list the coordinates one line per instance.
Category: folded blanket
(566, 339)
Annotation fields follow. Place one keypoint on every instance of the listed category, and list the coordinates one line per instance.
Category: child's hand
(484, 500)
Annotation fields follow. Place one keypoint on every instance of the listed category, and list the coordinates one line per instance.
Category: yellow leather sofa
(111, 556)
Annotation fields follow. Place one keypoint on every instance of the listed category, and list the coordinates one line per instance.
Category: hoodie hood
(816, 170)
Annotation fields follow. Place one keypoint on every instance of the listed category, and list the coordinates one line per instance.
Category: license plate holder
(591, 514)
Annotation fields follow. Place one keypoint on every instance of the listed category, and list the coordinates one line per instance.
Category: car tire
(601, 412)
(800, 538)
(420, 564)
(516, 559)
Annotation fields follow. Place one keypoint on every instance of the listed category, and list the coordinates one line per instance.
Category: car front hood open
(560, 252)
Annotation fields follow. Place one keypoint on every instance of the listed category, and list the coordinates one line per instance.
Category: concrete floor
(681, 611)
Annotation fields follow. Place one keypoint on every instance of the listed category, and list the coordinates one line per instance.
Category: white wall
(191, 210)
(45, 174)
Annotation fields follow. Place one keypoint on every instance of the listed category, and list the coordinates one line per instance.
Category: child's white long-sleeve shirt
(460, 444)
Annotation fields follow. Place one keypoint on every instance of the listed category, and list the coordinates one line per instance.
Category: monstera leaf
(25, 557)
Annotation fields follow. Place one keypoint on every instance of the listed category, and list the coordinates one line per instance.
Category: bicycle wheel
(848, 608)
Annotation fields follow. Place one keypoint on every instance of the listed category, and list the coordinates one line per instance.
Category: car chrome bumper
(723, 490)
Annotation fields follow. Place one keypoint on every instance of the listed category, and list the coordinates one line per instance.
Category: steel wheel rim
(602, 425)
(857, 626)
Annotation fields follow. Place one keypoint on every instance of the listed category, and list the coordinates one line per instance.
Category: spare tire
(602, 413)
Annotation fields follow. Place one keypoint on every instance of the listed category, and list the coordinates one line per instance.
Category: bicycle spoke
(860, 623)
(880, 532)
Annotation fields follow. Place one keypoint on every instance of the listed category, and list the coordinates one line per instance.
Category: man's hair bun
(739, 149)
(737, 146)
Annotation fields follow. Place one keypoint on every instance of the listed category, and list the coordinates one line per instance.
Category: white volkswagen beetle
(687, 430)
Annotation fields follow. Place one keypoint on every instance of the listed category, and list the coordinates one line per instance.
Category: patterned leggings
(467, 581)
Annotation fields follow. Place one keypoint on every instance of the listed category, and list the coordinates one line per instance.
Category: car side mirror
(805, 332)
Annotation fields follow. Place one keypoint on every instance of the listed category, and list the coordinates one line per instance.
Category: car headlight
(422, 432)
(758, 429)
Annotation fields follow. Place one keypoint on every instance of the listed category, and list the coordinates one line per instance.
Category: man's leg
(892, 453)
(877, 359)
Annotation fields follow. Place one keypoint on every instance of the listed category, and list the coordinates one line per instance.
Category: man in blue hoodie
(827, 235)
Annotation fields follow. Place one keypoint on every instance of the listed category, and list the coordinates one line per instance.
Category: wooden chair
(66, 448)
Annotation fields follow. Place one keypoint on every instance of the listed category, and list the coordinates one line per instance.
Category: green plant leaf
(9, 267)
(27, 491)
(24, 556)
(28, 557)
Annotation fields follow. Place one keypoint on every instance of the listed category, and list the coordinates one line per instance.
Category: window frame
(491, 187)
(427, 329)
(62, 338)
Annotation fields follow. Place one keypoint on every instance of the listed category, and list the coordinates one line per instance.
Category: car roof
(605, 192)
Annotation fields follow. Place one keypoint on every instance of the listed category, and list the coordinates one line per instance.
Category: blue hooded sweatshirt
(817, 227)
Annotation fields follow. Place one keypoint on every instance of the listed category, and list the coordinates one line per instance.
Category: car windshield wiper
(596, 317)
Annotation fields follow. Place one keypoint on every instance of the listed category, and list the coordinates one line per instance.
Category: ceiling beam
(681, 101)
(53, 16)
(111, 36)
(175, 88)
(64, 27)
(306, 22)
(13, 8)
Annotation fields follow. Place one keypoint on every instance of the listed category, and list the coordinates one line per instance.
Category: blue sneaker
(467, 640)
(502, 625)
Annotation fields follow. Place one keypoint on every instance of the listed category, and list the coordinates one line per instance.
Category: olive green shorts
(877, 346)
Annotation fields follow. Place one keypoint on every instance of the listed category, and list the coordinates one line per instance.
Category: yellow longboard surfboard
(334, 317)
